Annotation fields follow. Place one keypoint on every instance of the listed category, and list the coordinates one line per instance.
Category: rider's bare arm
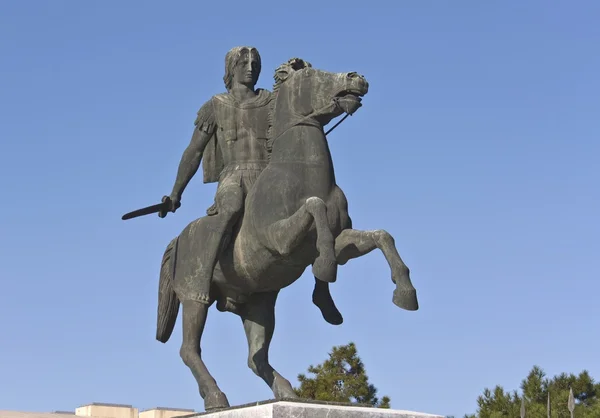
(204, 128)
(190, 161)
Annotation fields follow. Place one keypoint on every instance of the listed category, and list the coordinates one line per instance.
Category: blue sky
(477, 148)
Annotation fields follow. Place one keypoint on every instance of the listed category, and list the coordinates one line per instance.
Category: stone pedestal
(301, 409)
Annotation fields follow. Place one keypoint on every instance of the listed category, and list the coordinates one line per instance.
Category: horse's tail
(168, 303)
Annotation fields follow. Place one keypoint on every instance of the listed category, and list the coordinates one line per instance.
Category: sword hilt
(166, 201)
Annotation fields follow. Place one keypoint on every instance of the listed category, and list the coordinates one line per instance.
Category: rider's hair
(231, 60)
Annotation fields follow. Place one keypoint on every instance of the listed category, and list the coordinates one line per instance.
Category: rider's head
(242, 66)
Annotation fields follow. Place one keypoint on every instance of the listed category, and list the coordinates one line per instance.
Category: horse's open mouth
(351, 94)
(349, 100)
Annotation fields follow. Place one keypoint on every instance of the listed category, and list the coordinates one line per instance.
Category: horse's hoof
(288, 397)
(330, 312)
(406, 299)
(325, 269)
(214, 401)
(333, 316)
(282, 389)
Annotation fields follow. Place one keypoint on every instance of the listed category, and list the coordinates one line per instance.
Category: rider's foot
(322, 299)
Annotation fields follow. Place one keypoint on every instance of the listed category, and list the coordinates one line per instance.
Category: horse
(294, 216)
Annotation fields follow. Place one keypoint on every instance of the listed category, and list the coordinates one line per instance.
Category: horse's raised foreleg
(352, 243)
(285, 235)
(194, 319)
(258, 317)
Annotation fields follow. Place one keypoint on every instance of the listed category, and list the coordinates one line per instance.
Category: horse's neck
(304, 143)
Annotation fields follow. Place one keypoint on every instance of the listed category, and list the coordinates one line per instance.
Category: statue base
(308, 409)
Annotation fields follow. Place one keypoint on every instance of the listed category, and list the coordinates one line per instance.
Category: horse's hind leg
(258, 317)
(285, 235)
(194, 319)
(352, 243)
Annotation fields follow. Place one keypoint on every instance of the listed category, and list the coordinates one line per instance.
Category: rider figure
(230, 136)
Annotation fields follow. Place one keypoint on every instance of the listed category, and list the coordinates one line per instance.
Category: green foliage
(535, 388)
(384, 403)
(341, 378)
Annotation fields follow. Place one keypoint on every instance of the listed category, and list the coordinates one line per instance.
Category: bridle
(311, 115)
(338, 123)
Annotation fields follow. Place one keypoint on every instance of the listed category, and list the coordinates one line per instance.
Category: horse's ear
(283, 72)
(299, 64)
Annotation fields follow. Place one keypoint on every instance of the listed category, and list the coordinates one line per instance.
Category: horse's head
(305, 93)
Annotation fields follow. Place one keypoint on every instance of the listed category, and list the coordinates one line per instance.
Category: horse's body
(295, 216)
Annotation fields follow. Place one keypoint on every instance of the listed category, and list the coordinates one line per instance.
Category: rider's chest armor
(242, 127)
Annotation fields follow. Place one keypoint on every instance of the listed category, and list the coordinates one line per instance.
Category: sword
(162, 208)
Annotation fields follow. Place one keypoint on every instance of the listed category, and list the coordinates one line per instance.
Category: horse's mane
(293, 64)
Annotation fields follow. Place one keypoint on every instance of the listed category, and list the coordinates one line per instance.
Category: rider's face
(247, 68)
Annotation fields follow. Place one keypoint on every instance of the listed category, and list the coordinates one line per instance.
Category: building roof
(21, 414)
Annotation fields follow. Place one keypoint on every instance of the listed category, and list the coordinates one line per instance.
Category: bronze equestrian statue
(294, 215)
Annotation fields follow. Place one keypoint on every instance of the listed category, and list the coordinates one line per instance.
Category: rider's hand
(174, 204)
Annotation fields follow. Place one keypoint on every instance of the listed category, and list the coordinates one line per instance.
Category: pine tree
(341, 378)
(535, 388)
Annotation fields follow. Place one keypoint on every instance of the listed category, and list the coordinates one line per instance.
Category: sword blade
(146, 211)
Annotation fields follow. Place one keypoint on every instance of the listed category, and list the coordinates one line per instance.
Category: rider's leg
(217, 228)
